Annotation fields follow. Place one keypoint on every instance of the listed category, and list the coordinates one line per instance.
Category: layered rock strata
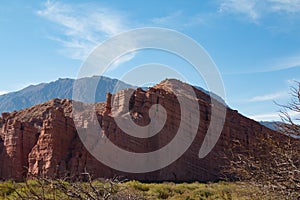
(43, 141)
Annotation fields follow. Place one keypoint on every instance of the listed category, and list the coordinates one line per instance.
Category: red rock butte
(43, 141)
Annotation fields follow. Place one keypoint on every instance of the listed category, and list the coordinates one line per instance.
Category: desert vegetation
(114, 189)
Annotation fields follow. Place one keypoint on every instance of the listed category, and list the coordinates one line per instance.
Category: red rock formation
(42, 140)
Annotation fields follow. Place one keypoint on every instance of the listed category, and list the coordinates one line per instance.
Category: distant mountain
(274, 125)
(62, 88)
(211, 94)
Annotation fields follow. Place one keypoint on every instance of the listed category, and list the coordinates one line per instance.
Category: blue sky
(255, 44)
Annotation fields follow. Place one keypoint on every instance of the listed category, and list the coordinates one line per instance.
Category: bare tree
(290, 114)
(273, 163)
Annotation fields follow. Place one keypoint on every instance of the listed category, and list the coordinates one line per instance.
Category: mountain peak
(172, 84)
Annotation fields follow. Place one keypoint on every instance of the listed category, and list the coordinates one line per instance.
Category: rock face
(42, 140)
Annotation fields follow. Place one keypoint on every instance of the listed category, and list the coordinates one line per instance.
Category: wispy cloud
(292, 81)
(273, 65)
(122, 59)
(275, 116)
(288, 6)
(244, 7)
(254, 10)
(286, 63)
(82, 26)
(173, 17)
(178, 20)
(268, 97)
(278, 64)
(266, 117)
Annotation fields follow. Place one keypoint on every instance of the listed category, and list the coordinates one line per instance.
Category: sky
(255, 44)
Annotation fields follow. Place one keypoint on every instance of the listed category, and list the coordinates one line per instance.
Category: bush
(6, 188)
(138, 186)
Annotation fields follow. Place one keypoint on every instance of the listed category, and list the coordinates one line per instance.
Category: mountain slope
(62, 88)
(274, 125)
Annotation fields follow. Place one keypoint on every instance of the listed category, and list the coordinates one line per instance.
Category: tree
(273, 164)
(290, 114)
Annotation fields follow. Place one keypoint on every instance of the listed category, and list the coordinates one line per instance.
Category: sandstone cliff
(42, 140)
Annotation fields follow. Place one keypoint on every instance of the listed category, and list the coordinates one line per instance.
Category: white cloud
(273, 65)
(286, 63)
(178, 20)
(266, 117)
(292, 81)
(82, 26)
(278, 64)
(272, 116)
(3, 92)
(244, 7)
(167, 19)
(288, 6)
(122, 59)
(268, 97)
(254, 10)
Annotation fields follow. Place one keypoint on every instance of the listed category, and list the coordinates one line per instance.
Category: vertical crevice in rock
(1, 156)
(132, 101)
(108, 103)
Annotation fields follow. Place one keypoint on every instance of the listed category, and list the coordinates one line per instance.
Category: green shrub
(203, 193)
(163, 192)
(6, 188)
(138, 186)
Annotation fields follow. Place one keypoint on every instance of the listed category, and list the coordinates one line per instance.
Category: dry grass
(44, 189)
